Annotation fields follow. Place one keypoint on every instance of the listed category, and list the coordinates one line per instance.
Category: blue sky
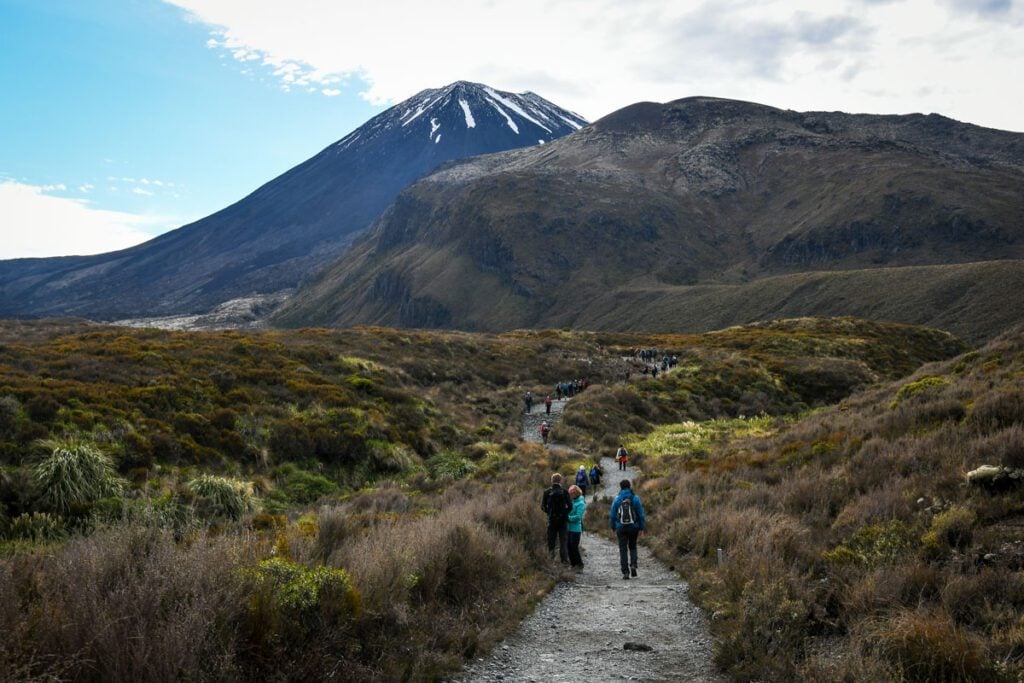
(124, 118)
(122, 104)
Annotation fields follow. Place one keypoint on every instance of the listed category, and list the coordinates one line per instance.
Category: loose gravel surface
(580, 630)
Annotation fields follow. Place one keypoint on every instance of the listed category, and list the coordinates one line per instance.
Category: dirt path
(578, 632)
(532, 420)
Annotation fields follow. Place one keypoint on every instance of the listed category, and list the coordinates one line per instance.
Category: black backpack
(627, 513)
(559, 504)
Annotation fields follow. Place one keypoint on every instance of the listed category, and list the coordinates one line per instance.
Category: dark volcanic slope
(690, 203)
(295, 223)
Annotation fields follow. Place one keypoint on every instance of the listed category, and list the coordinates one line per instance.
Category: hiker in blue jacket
(628, 523)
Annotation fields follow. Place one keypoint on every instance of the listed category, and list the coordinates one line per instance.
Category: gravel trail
(580, 629)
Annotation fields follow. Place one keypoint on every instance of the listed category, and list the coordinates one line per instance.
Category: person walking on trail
(596, 472)
(528, 400)
(629, 523)
(547, 404)
(575, 526)
(557, 504)
(545, 429)
(582, 480)
(622, 457)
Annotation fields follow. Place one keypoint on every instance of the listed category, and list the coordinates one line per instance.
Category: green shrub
(950, 529)
(220, 497)
(917, 387)
(300, 589)
(73, 476)
(874, 545)
(450, 465)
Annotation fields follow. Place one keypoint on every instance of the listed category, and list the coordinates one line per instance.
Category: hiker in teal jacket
(628, 522)
(579, 507)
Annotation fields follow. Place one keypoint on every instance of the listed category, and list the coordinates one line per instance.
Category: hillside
(280, 234)
(694, 206)
(848, 543)
(296, 496)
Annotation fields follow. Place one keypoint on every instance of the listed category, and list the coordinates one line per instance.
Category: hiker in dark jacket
(557, 504)
(629, 523)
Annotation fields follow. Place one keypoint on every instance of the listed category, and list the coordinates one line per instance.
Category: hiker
(528, 400)
(557, 504)
(545, 429)
(622, 457)
(628, 523)
(582, 480)
(654, 372)
(558, 391)
(596, 472)
(575, 526)
(547, 404)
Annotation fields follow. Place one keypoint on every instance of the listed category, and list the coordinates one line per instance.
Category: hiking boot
(625, 576)
(632, 571)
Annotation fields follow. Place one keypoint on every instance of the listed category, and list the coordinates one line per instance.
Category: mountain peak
(451, 114)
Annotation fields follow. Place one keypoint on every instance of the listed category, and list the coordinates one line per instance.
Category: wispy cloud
(40, 224)
(595, 56)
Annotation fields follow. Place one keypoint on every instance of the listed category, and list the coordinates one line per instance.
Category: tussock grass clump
(927, 647)
(73, 476)
(221, 497)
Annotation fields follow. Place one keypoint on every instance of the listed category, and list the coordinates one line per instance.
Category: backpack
(581, 479)
(595, 477)
(559, 504)
(627, 513)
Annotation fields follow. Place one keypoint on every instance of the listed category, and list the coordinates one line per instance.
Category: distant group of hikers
(565, 510)
(652, 362)
(562, 390)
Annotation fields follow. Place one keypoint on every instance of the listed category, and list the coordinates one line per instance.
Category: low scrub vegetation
(854, 547)
(357, 504)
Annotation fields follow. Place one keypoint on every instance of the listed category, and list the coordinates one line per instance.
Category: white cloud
(39, 224)
(331, 92)
(139, 190)
(958, 57)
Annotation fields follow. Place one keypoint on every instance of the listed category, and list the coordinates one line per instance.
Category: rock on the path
(637, 647)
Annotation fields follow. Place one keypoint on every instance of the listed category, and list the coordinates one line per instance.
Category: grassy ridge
(332, 503)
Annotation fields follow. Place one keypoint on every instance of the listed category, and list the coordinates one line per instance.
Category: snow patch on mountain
(508, 119)
(470, 121)
(515, 107)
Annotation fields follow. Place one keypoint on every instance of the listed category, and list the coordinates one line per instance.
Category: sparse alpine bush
(73, 476)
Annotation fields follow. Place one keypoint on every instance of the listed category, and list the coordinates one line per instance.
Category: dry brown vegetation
(356, 504)
(854, 547)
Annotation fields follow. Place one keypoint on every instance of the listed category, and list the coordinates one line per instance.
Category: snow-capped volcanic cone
(286, 229)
